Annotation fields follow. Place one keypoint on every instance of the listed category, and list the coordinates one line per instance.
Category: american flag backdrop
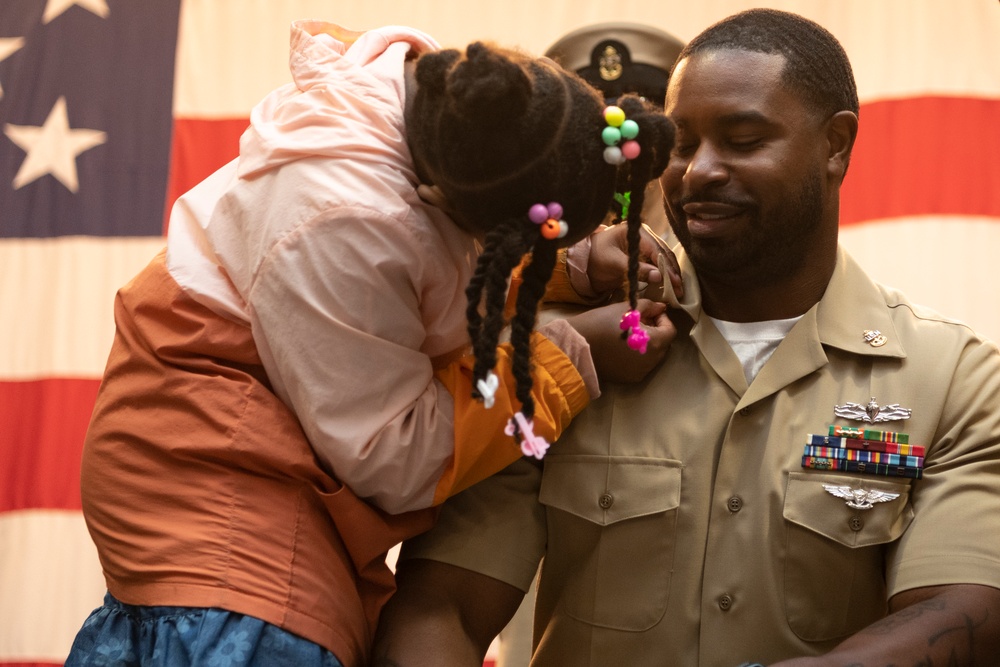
(109, 109)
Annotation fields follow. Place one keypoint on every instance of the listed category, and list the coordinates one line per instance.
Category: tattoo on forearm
(968, 627)
(892, 623)
(962, 645)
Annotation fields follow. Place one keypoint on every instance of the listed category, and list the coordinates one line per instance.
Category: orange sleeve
(558, 290)
(481, 446)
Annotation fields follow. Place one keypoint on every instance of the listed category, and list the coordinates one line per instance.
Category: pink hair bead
(629, 320)
(630, 149)
(638, 340)
(555, 210)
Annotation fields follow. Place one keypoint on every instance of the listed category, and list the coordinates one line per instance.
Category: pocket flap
(607, 489)
(811, 505)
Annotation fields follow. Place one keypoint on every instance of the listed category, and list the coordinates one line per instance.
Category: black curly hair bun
(433, 70)
(489, 85)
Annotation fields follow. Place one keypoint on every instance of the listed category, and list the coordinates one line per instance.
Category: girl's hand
(607, 265)
(613, 359)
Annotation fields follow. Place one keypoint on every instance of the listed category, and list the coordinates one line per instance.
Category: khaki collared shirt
(678, 526)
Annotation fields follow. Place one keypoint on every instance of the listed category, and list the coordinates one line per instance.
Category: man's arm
(946, 626)
(442, 616)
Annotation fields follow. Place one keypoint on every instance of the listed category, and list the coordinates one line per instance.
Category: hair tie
(625, 200)
(531, 444)
(487, 389)
(619, 136)
(637, 336)
(550, 218)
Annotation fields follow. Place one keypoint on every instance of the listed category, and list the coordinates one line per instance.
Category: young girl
(291, 387)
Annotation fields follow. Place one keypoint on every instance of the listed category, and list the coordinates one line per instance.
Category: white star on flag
(52, 148)
(7, 47)
(56, 7)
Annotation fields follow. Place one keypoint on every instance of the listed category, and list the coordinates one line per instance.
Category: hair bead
(549, 218)
(611, 135)
(619, 128)
(636, 337)
(538, 214)
(613, 155)
(550, 229)
(630, 149)
(614, 116)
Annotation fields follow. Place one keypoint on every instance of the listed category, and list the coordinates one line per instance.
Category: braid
(474, 290)
(505, 247)
(634, 223)
(536, 277)
(655, 134)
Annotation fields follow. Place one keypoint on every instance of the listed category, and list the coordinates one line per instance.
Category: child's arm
(594, 270)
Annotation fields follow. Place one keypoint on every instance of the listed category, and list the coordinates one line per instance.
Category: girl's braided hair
(498, 132)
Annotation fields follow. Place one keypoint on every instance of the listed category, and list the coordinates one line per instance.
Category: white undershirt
(754, 342)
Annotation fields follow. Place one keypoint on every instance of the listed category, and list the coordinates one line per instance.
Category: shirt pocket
(835, 556)
(611, 525)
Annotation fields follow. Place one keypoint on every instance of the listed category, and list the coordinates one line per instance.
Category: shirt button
(606, 500)
(745, 412)
(735, 504)
(725, 602)
(856, 523)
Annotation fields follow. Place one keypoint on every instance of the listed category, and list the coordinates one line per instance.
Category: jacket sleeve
(481, 446)
(569, 282)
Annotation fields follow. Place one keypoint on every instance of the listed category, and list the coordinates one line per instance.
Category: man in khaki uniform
(813, 475)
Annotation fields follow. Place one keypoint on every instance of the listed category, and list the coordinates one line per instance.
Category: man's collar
(851, 316)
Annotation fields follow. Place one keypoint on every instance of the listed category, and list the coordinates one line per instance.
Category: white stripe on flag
(51, 581)
(57, 299)
(944, 263)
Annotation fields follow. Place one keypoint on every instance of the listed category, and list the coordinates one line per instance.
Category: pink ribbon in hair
(531, 444)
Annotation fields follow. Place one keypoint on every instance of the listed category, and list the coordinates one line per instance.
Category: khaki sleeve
(955, 535)
(495, 528)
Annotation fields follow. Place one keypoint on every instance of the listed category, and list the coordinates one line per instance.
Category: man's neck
(753, 301)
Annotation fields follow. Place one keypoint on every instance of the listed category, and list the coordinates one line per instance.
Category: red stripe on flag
(30, 664)
(198, 148)
(42, 426)
(924, 156)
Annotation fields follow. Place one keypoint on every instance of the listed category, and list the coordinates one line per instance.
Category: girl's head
(498, 133)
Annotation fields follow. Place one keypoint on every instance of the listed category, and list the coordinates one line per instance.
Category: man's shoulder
(916, 321)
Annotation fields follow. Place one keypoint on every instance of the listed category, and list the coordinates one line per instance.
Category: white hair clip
(488, 389)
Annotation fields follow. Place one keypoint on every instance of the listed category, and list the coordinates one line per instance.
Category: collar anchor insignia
(860, 499)
(872, 413)
(875, 338)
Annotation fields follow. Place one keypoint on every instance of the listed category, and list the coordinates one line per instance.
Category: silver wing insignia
(872, 412)
(860, 499)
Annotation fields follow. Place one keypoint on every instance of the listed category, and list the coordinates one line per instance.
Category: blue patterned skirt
(121, 635)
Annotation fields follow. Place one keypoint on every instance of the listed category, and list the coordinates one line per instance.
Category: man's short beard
(769, 251)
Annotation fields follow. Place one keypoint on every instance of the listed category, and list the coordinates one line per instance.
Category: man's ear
(841, 131)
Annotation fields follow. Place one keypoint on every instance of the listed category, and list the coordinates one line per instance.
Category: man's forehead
(724, 75)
